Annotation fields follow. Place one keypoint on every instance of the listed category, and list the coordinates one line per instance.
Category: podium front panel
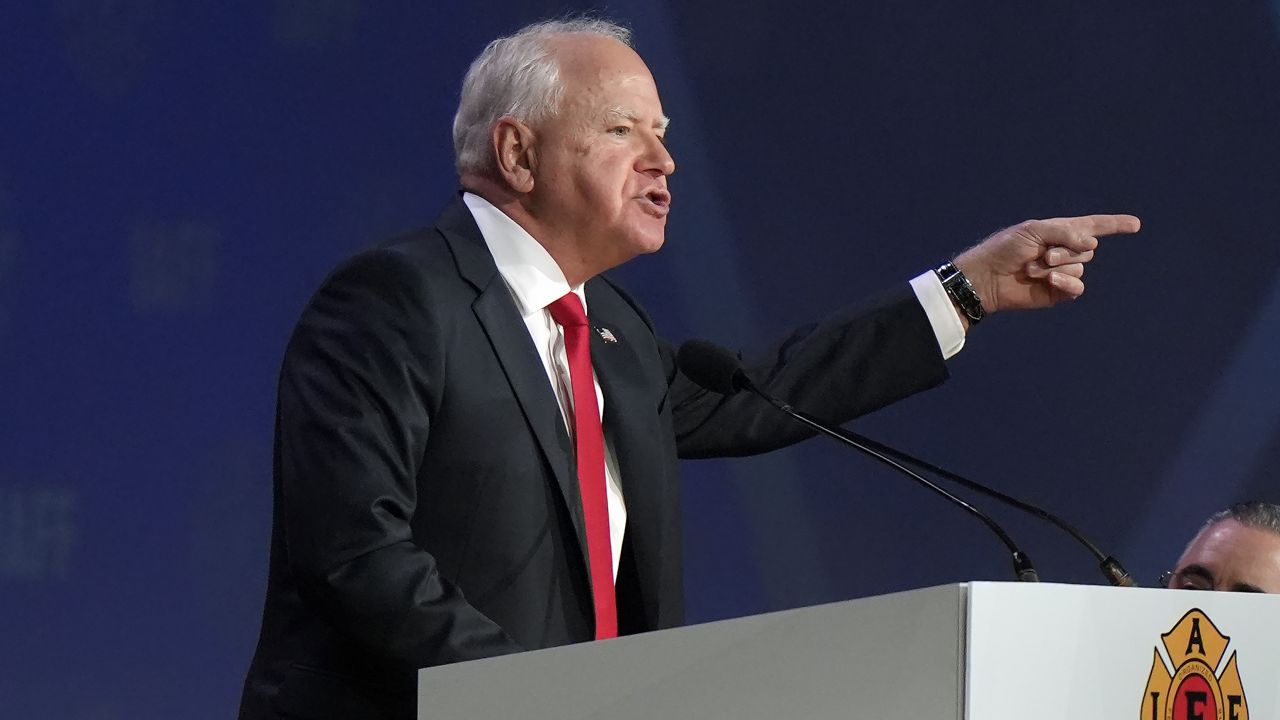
(893, 656)
(1064, 651)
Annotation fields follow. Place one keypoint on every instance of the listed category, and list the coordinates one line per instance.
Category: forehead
(603, 75)
(1246, 554)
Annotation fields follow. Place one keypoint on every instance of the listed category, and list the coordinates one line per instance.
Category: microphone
(719, 370)
(1111, 568)
(715, 368)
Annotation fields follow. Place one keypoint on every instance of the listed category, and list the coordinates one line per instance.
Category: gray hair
(1254, 514)
(515, 76)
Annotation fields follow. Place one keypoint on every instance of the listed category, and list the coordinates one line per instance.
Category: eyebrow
(1203, 573)
(622, 113)
(1246, 588)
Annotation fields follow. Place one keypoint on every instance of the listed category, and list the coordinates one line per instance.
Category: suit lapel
(631, 425)
(509, 337)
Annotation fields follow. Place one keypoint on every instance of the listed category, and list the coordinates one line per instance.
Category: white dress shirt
(941, 312)
(536, 281)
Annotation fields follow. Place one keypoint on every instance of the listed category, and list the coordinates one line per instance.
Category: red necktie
(589, 447)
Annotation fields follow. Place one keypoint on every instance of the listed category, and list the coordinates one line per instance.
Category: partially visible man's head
(515, 76)
(1237, 550)
(561, 126)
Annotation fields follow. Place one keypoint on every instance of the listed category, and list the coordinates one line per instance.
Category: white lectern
(981, 651)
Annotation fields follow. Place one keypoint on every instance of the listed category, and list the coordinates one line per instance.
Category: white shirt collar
(532, 275)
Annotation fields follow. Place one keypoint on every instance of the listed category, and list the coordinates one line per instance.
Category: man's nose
(657, 159)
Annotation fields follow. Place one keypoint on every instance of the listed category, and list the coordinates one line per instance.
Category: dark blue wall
(175, 179)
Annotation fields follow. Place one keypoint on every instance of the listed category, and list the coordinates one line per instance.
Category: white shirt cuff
(942, 314)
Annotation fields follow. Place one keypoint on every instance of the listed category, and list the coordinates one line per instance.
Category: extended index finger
(1099, 225)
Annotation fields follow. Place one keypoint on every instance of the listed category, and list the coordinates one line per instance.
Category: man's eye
(1194, 583)
(620, 130)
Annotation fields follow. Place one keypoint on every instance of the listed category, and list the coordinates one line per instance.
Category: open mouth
(658, 202)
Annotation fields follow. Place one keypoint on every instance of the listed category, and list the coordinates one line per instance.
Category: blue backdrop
(176, 178)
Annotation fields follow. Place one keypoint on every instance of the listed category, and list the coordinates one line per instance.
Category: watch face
(958, 287)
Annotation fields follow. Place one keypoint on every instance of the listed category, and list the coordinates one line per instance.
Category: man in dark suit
(477, 434)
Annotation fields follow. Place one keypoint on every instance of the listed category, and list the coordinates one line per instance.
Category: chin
(647, 236)
(629, 242)
(648, 243)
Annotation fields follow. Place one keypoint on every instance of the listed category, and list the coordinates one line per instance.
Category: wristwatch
(961, 291)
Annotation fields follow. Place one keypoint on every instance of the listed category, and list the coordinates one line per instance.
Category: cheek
(608, 177)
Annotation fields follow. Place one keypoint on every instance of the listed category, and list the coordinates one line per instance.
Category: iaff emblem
(1191, 690)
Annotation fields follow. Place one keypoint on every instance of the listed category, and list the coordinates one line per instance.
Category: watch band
(961, 291)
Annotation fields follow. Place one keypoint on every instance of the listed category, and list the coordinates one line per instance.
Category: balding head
(1237, 550)
(586, 177)
(517, 76)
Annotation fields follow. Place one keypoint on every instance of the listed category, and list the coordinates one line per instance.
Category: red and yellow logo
(1190, 689)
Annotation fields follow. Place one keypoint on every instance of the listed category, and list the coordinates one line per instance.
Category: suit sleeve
(360, 378)
(853, 362)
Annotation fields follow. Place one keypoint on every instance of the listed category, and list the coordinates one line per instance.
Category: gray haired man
(478, 435)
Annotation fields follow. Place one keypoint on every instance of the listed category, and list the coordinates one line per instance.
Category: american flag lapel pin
(607, 335)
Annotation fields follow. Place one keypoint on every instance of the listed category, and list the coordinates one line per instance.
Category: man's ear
(514, 151)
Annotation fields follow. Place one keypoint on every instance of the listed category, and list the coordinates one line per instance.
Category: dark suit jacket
(426, 507)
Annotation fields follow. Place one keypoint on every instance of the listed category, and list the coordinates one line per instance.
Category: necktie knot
(567, 311)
